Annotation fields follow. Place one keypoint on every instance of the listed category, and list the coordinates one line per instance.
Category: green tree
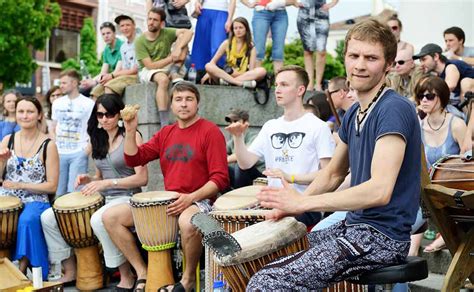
(294, 55)
(25, 27)
(88, 51)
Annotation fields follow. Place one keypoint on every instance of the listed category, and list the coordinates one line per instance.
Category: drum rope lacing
(159, 247)
(148, 204)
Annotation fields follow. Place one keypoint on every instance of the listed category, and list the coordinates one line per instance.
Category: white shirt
(294, 147)
(71, 116)
(222, 5)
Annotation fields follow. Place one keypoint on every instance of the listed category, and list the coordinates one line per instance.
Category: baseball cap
(122, 17)
(428, 50)
(237, 114)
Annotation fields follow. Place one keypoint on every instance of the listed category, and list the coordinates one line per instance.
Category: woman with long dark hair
(241, 59)
(113, 179)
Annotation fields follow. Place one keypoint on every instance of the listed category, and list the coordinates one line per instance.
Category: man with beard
(383, 198)
(161, 53)
(456, 73)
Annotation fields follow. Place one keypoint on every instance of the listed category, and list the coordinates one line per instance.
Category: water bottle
(192, 74)
(84, 72)
(218, 286)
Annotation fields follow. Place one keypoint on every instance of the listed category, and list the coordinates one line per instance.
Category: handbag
(176, 18)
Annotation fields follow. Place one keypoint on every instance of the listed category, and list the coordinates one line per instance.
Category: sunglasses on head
(100, 115)
(429, 96)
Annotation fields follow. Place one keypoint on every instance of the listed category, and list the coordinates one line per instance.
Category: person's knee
(210, 67)
(467, 84)
(162, 80)
(47, 218)
(184, 222)
(96, 221)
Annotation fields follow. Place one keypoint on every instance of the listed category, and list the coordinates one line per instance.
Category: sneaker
(54, 272)
(176, 80)
(223, 82)
(251, 84)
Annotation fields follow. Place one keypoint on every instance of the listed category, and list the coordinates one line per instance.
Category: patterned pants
(336, 253)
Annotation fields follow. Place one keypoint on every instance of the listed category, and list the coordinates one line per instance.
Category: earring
(99, 126)
(120, 123)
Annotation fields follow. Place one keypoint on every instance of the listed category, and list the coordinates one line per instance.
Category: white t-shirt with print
(71, 116)
(295, 147)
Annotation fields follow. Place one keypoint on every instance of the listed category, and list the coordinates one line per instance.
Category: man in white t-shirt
(70, 115)
(295, 145)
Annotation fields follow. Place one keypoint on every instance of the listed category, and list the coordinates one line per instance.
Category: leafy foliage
(294, 55)
(25, 27)
(88, 51)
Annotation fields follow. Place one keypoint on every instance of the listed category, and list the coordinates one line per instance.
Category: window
(63, 44)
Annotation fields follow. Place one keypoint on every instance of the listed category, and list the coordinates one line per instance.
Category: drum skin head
(264, 238)
(242, 198)
(76, 200)
(9, 202)
(240, 213)
(153, 196)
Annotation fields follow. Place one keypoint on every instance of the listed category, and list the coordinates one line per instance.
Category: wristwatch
(115, 182)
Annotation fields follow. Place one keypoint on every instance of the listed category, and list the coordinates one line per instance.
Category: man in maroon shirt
(193, 160)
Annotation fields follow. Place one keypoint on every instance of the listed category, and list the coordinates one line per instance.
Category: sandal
(437, 244)
(177, 287)
(214, 236)
(138, 282)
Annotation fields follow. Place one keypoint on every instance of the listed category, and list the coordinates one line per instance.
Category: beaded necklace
(362, 114)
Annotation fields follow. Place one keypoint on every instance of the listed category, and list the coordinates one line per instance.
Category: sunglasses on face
(400, 62)
(101, 115)
(428, 96)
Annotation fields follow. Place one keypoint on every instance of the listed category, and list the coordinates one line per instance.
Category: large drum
(10, 208)
(73, 213)
(157, 232)
(238, 199)
(452, 172)
(231, 221)
(262, 243)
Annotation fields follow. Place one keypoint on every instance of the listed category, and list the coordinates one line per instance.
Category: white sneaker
(223, 82)
(249, 84)
(54, 271)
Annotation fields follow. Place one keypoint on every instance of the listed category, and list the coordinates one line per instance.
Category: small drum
(10, 208)
(231, 221)
(157, 232)
(238, 199)
(452, 172)
(262, 243)
(73, 213)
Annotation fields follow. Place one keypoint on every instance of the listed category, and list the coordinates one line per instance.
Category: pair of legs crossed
(215, 72)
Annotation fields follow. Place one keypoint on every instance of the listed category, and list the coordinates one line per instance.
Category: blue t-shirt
(7, 128)
(465, 70)
(392, 114)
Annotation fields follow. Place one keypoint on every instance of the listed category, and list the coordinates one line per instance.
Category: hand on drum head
(237, 129)
(81, 179)
(5, 154)
(287, 200)
(182, 203)
(95, 186)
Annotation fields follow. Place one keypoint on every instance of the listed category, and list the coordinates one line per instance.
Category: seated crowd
(387, 104)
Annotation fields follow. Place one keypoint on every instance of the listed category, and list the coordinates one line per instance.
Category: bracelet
(292, 178)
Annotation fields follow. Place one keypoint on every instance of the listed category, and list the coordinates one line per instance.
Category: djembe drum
(73, 213)
(157, 232)
(231, 221)
(10, 208)
(238, 199)
(261, 243)
(452, 172)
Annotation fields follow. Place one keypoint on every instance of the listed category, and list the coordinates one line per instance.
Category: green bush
(294, 55)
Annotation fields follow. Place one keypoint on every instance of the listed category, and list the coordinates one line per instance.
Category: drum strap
(458, 199)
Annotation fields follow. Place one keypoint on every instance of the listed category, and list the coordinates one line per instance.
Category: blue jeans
(70, 166)
(262, 22)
